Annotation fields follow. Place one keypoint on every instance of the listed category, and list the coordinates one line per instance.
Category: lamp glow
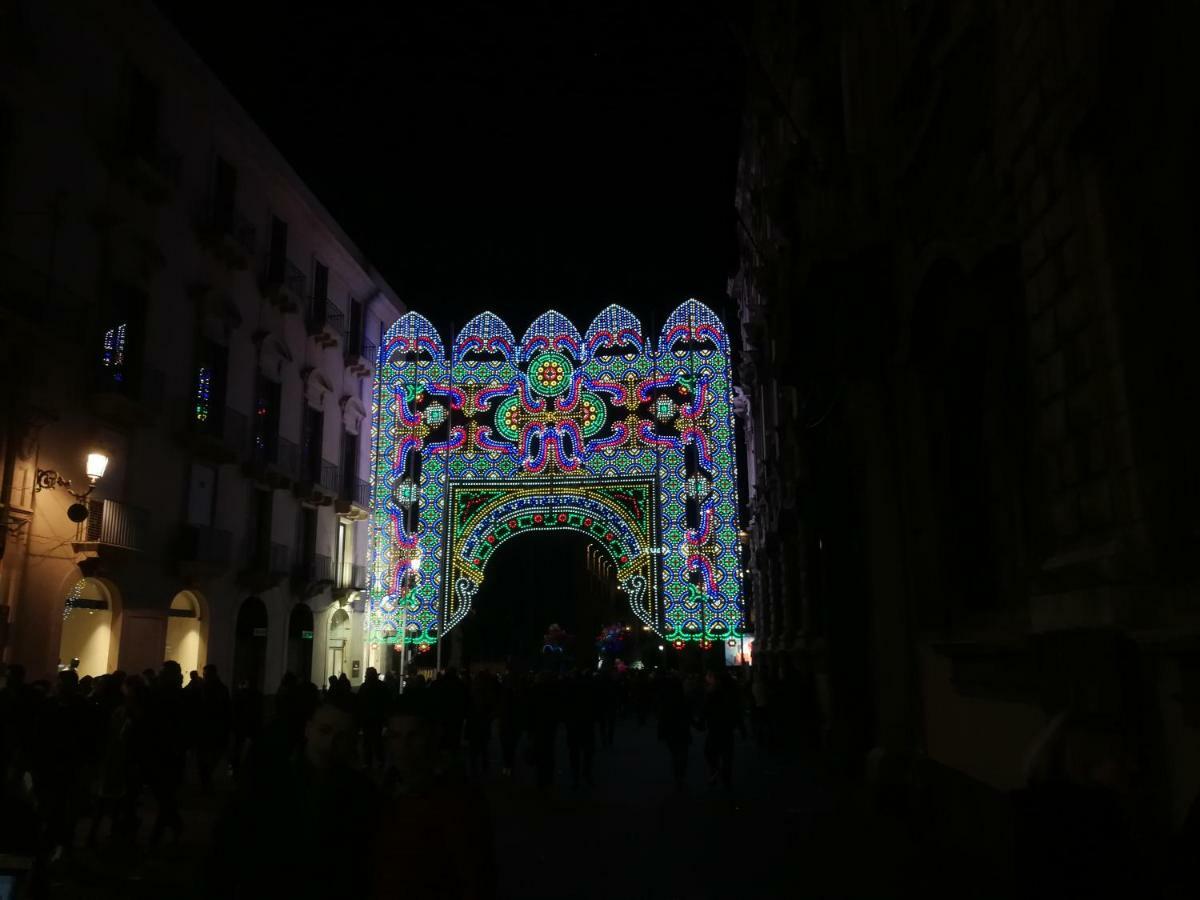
(97, 463)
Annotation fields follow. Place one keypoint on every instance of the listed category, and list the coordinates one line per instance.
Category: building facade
(173, 296)
(967, 306)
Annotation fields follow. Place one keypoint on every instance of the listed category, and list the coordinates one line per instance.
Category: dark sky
(505, 156)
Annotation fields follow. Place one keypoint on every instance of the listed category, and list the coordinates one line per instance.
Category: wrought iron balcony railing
(116, 524)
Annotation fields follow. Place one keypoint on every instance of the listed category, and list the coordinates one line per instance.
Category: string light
(606, 434)
(203, 390)
(73, 598)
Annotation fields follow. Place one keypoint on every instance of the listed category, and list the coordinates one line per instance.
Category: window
(262, 508)
(203, 393)
(124, 309)
(202, 493)
(211, 368)
(310, 443)
(320, 294)
(356, 326)
(277, 261)
(349, 464)
(145, 105)
(342, 556)
(266, 417)
(113, 356)
(224, 195)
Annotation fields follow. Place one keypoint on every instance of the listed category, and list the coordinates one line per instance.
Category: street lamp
(94, 468)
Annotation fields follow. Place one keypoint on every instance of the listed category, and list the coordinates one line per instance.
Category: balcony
(349, 579)
(354, 500)
(312, 570)
(326, 323)
(284, 284)
(273, 461)
(112, 530)
(360, 355)
(219, 435)
(268, 566)
(229, 237)
(204, 551)
(318, 484)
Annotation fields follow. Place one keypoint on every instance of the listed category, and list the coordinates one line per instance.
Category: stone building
(173, 296)
(967, 298)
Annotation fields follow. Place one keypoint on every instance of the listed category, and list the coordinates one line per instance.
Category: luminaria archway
(601, 433)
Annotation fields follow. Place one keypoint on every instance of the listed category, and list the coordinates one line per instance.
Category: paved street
(631, 835)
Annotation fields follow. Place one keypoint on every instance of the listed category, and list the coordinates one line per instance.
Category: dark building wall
(967, 297)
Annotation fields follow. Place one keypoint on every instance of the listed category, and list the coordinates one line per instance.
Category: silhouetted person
(479, 721)
(429, 805)
(112, 775)
(543, 726)
(675, 725)
(247, 713)
(580, 712)
(215, 714)
(448, 699)
(609, 700)
(722, 716)
(510, 719)
(371, 710)
(170, 749)
(61, 724)
(312, 791)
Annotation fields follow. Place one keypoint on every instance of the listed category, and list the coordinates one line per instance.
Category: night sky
(512, 157)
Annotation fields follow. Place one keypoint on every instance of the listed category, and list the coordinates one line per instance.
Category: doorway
(338, 644)
(183, 632)
(250, 644)
(300, 642)
(87, 628)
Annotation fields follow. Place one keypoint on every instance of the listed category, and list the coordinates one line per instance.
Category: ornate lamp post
(94, 469)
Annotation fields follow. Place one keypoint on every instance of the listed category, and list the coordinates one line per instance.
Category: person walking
(675, 725)
(722, 713)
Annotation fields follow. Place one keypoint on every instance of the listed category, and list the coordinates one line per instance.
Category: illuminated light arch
(608, 433)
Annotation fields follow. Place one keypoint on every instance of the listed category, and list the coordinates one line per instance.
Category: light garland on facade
(73, 598)
(601, 434)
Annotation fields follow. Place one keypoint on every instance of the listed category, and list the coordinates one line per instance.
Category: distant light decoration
(113, 356)
(203, 393)
(611, 639)
(73, 598)
(607, 434)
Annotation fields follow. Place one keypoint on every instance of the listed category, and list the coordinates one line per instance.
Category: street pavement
(786, 828)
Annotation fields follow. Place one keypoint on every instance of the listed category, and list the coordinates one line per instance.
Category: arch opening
(185, 639)
(87, 628)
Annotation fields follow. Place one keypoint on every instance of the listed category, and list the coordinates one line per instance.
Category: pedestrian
(371, 705)
(430, 804)
(310, 791)
(580, 712)
(510, 722)
(675, 725)
(480, 709)
(722, 716)
(215, 715)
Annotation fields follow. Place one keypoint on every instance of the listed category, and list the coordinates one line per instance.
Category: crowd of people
(92, 760)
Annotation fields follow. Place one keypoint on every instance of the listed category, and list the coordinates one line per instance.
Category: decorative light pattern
(203, 392)
(114, 351)
(73, 598)
(605, 434)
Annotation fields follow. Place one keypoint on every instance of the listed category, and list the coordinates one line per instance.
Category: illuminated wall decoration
(203, 393)
(608, 434)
